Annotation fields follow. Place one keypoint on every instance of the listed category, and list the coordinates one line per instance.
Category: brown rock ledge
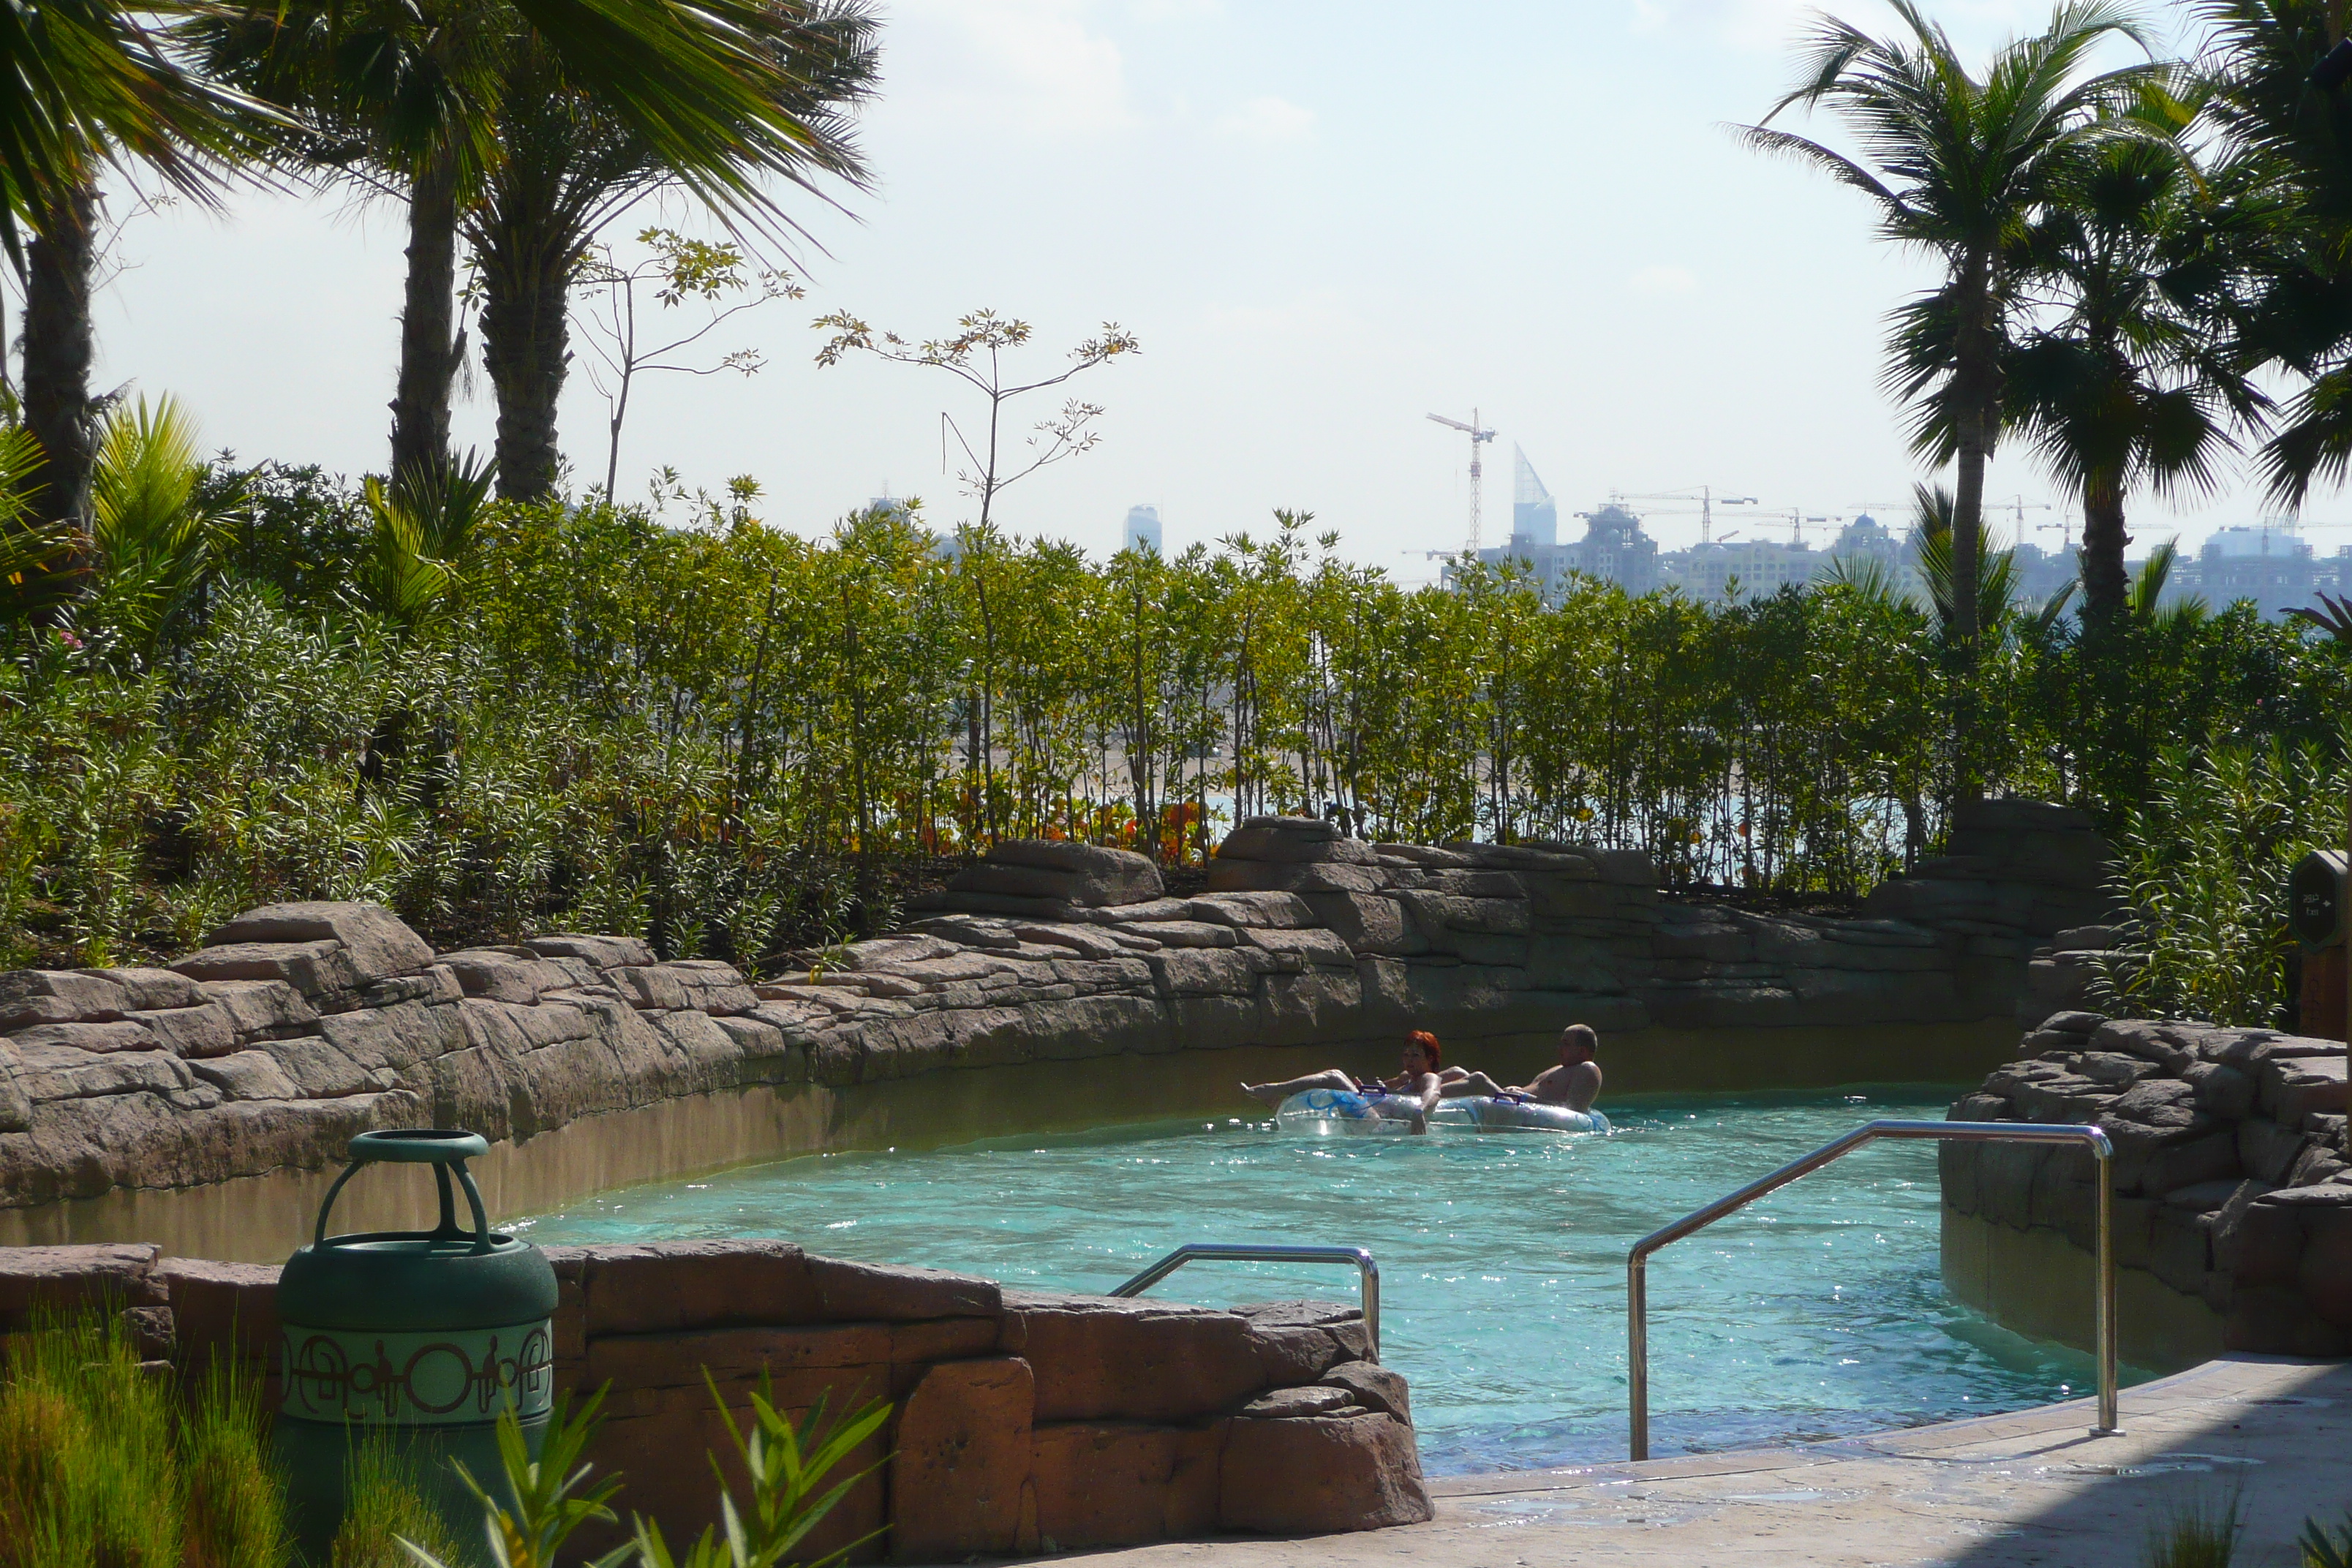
(1204, 1437)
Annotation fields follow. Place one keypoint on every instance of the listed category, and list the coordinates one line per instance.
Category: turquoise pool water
(1817, 1312)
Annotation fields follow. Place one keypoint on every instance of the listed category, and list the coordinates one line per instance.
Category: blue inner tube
(1338, 1112)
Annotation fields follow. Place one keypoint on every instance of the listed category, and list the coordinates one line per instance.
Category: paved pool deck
(2034, 1487)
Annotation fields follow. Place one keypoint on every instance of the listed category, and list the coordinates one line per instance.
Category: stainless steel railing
(1637, 1328)
(1367, 1272)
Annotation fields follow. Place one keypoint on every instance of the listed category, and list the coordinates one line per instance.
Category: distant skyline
(1324, 221)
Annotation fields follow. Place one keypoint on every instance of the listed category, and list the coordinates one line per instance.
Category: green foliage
(701, 730)
(38, 571)
(87, 1469)
(424, 524)
(2206, 863)
(99, 1463)
(2199, 1532)
(791, 1466)
(2325, 1548)
(236, 1506)
(545, 1500)
(385, 1506)
(155, 525)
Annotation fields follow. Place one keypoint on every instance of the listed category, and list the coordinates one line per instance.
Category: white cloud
(1037, 65)
(1662, 280)
(1267, 120)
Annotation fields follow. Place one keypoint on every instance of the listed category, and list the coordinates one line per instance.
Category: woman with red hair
(1420, 1075)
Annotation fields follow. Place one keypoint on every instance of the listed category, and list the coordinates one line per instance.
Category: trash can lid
(398, 1281)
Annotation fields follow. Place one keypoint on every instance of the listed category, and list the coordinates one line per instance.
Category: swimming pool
(1817, 1313)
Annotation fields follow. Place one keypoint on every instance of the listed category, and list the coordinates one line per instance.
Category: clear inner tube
(1342, 1114)
(1487, 1113)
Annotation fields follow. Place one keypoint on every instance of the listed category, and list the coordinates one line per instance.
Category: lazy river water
(1817, 1313)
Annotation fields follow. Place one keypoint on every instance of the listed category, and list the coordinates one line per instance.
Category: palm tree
(394, 99)
(566, 167)
(403, 97)
(84, 83)
(1957, 166)
(157, 533)
(2124, 379)
(2296, 138)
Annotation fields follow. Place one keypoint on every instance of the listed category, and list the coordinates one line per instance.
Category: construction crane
(2018, 506)
(1798, 518)
(1479, 436)
(1705, 497)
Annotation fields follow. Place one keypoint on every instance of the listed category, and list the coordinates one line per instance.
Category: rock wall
(300, 1025)
(1025, 1421)
(2234, 1199)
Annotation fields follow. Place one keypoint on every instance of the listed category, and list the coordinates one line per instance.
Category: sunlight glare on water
(1817, 1312)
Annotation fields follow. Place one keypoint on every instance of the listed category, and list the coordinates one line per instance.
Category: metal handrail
(1637, 1329)
(1368, 1271)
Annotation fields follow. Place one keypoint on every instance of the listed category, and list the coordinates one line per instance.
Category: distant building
(1865, 539)
(1142, 530)
(2041, 573)
(1760, 567)
(1535, 517)
(1865, 536)
(1534, 545)
(2269, 564)
(1615, 549)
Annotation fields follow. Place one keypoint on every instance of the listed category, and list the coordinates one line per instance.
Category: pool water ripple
(1820, 1312)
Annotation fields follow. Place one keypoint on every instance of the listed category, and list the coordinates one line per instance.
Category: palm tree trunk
(2105, 588)
(526, 335)
(57, 349)
(429, 348)
(1967, 530)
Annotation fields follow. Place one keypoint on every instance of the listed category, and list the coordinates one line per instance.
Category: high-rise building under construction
(1535, 518)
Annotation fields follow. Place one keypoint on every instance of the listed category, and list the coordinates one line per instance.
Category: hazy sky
(1324, 220)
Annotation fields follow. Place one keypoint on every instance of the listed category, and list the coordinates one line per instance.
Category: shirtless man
(1418, 1078)
(1574, 1083)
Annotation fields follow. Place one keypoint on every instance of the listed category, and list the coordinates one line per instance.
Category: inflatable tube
(1337, 1113)
(1483, 1113)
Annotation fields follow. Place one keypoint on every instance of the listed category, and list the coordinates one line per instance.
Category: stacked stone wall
(2234, 1199)
(1022, 1421)
(300, 1025)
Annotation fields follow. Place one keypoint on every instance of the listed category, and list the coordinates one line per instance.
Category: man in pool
(1574, 1082)
(1418, 1078)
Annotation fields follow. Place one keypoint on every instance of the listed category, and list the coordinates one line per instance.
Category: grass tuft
(385, 1499)
(2199, 1532)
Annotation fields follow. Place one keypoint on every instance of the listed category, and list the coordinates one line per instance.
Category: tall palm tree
(1956, 164)
(406, 96)
(85, 83)
(566, 167)
(2297, 138)
(2123, 379)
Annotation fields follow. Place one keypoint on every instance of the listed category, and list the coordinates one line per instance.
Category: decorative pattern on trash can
(443, 1378)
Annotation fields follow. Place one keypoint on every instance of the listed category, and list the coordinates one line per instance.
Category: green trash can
(420, 1336)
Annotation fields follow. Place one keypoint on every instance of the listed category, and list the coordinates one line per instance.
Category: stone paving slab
(2032, 1487)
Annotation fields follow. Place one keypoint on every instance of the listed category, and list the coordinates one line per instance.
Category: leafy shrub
(730, 740)
(2205, 869)
(792, 1465)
